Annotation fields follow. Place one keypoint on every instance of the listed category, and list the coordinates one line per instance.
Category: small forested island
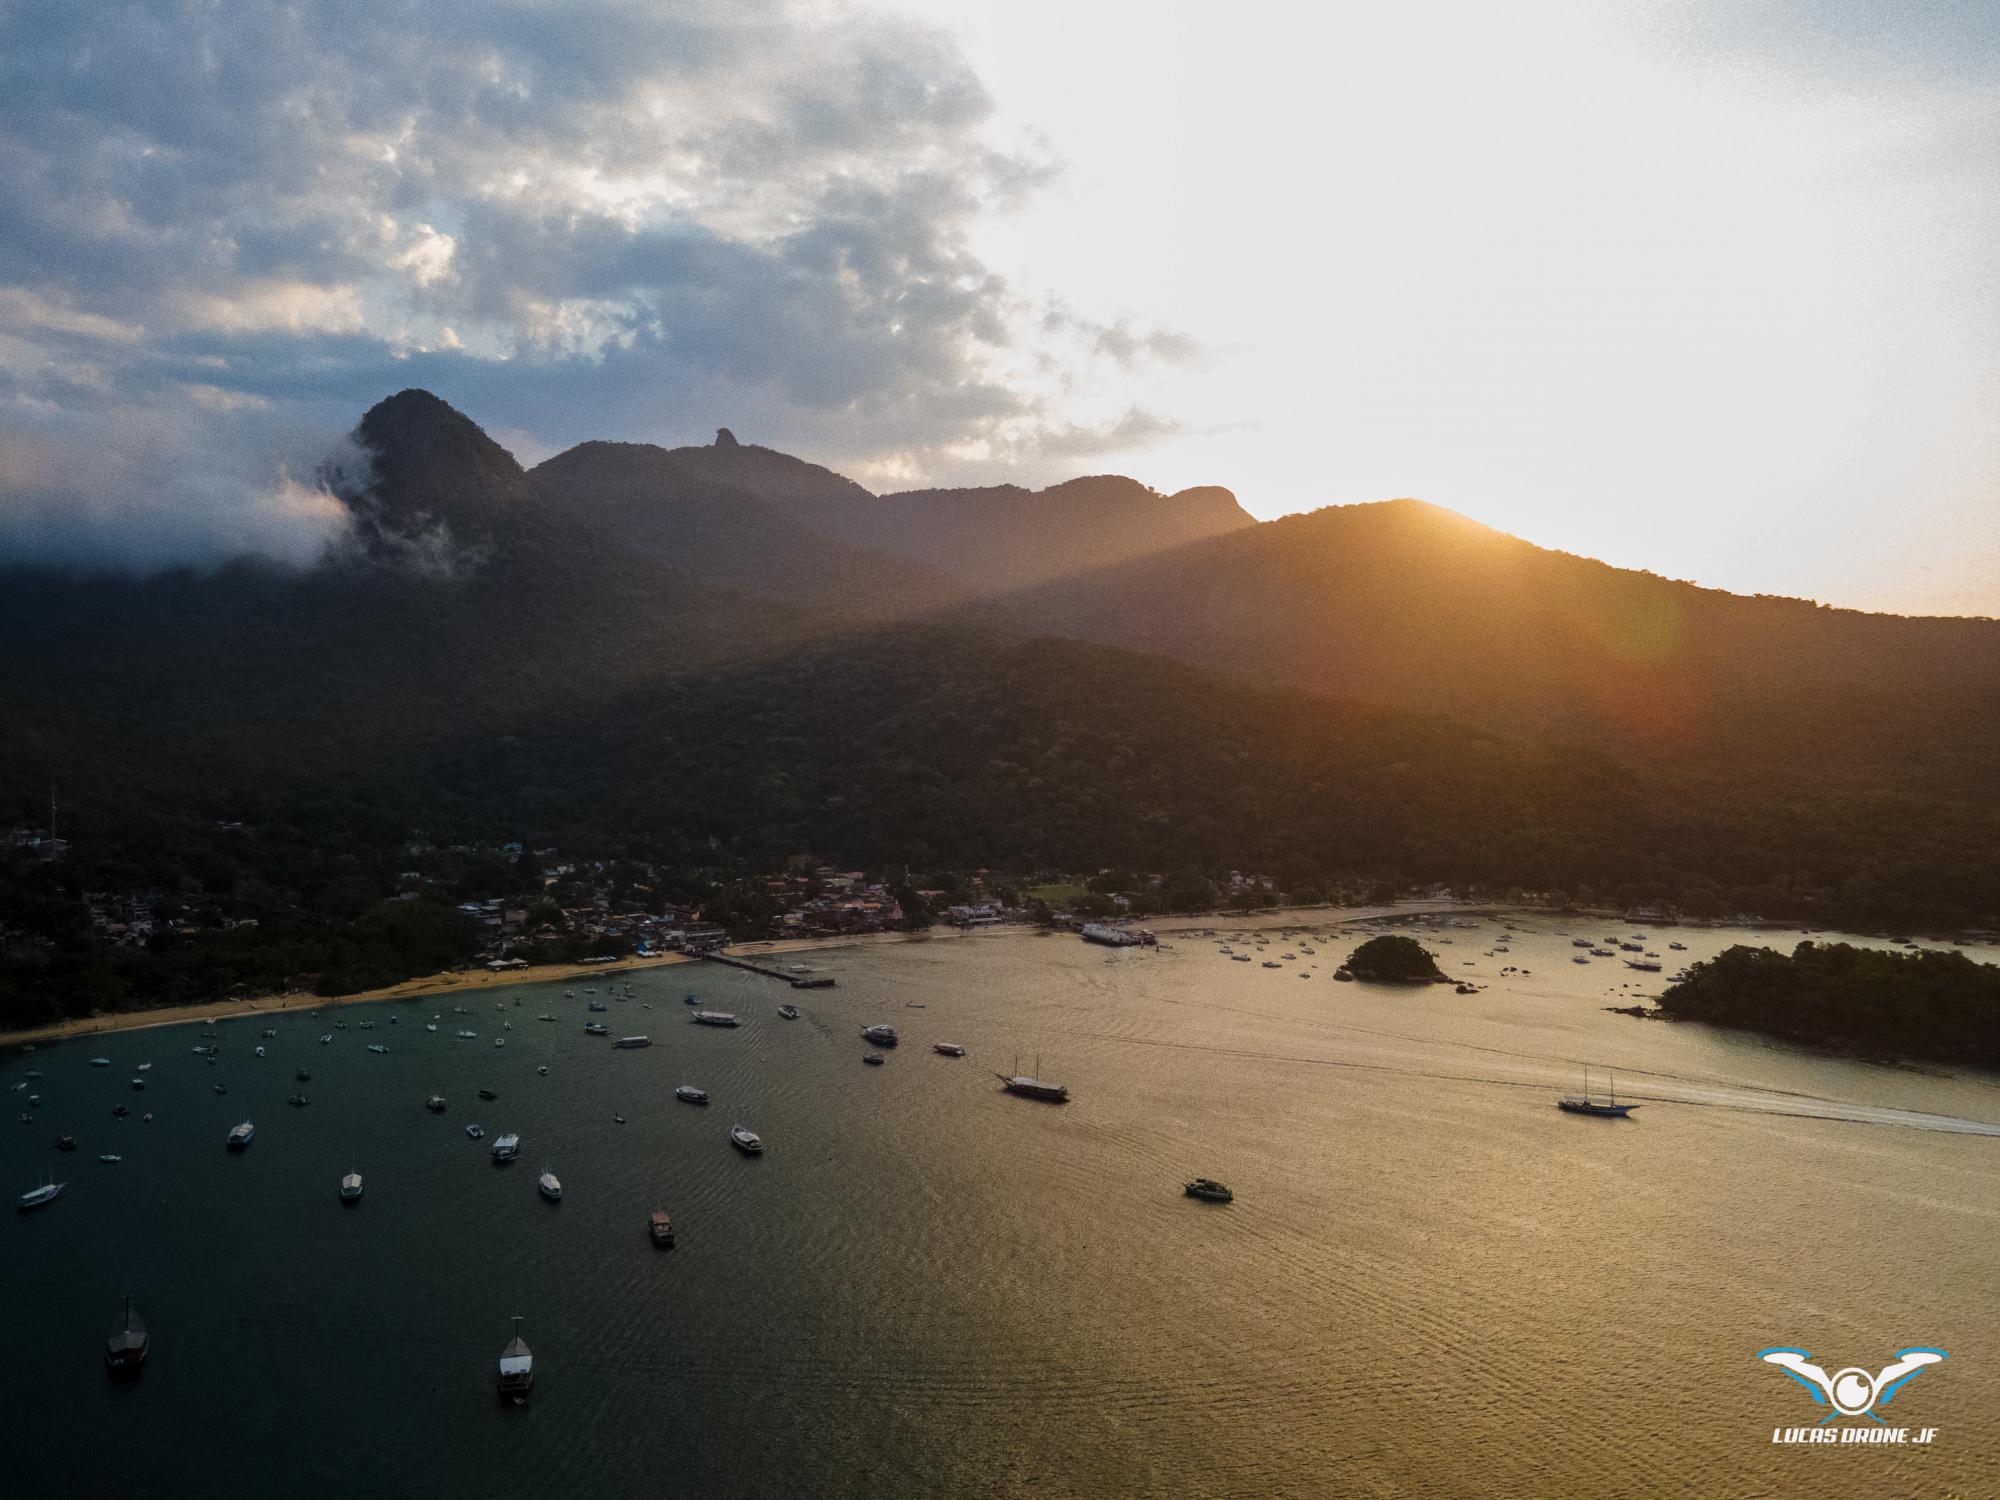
(1394, 960)
(1940, 1007)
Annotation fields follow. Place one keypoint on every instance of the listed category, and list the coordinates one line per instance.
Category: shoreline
(460, 981)
(451, 982)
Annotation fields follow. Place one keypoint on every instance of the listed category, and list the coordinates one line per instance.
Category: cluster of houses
(809, 903)
(832, 903)
(644, 929)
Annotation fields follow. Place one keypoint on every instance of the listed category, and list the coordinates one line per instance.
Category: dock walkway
(796, 981)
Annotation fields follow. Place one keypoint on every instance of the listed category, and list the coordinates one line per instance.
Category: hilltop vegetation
(716, 660)
(1937, 1006)
(1393, 959)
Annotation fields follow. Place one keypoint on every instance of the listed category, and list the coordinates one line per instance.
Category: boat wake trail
(1668, 1090)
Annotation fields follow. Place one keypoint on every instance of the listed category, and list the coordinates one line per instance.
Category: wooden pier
(796, 981)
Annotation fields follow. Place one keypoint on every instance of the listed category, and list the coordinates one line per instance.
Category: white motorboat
(507, 1147)
(48, 1192)
(517, 1368)
(350, 1187)
(549, 1186)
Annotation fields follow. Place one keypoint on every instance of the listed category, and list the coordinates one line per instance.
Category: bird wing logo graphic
(1851, 1392)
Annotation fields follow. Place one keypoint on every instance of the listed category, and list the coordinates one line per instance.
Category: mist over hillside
(724, 657)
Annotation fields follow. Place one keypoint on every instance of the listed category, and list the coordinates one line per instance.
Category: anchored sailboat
(1586, 1104)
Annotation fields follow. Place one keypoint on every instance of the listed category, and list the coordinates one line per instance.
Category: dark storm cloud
(233, 225)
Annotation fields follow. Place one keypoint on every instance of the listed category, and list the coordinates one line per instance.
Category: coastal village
(512, 906)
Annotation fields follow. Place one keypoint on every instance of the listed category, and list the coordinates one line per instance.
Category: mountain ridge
(989, 539)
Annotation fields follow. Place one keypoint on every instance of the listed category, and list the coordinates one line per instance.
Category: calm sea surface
(1431, 1282)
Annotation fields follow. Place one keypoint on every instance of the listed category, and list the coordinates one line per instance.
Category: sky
(1703, 287)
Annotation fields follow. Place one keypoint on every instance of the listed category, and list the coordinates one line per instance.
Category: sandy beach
(460, 981)
(451, 982)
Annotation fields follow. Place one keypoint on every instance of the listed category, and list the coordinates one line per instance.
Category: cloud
(600, 218)
(148, 490)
